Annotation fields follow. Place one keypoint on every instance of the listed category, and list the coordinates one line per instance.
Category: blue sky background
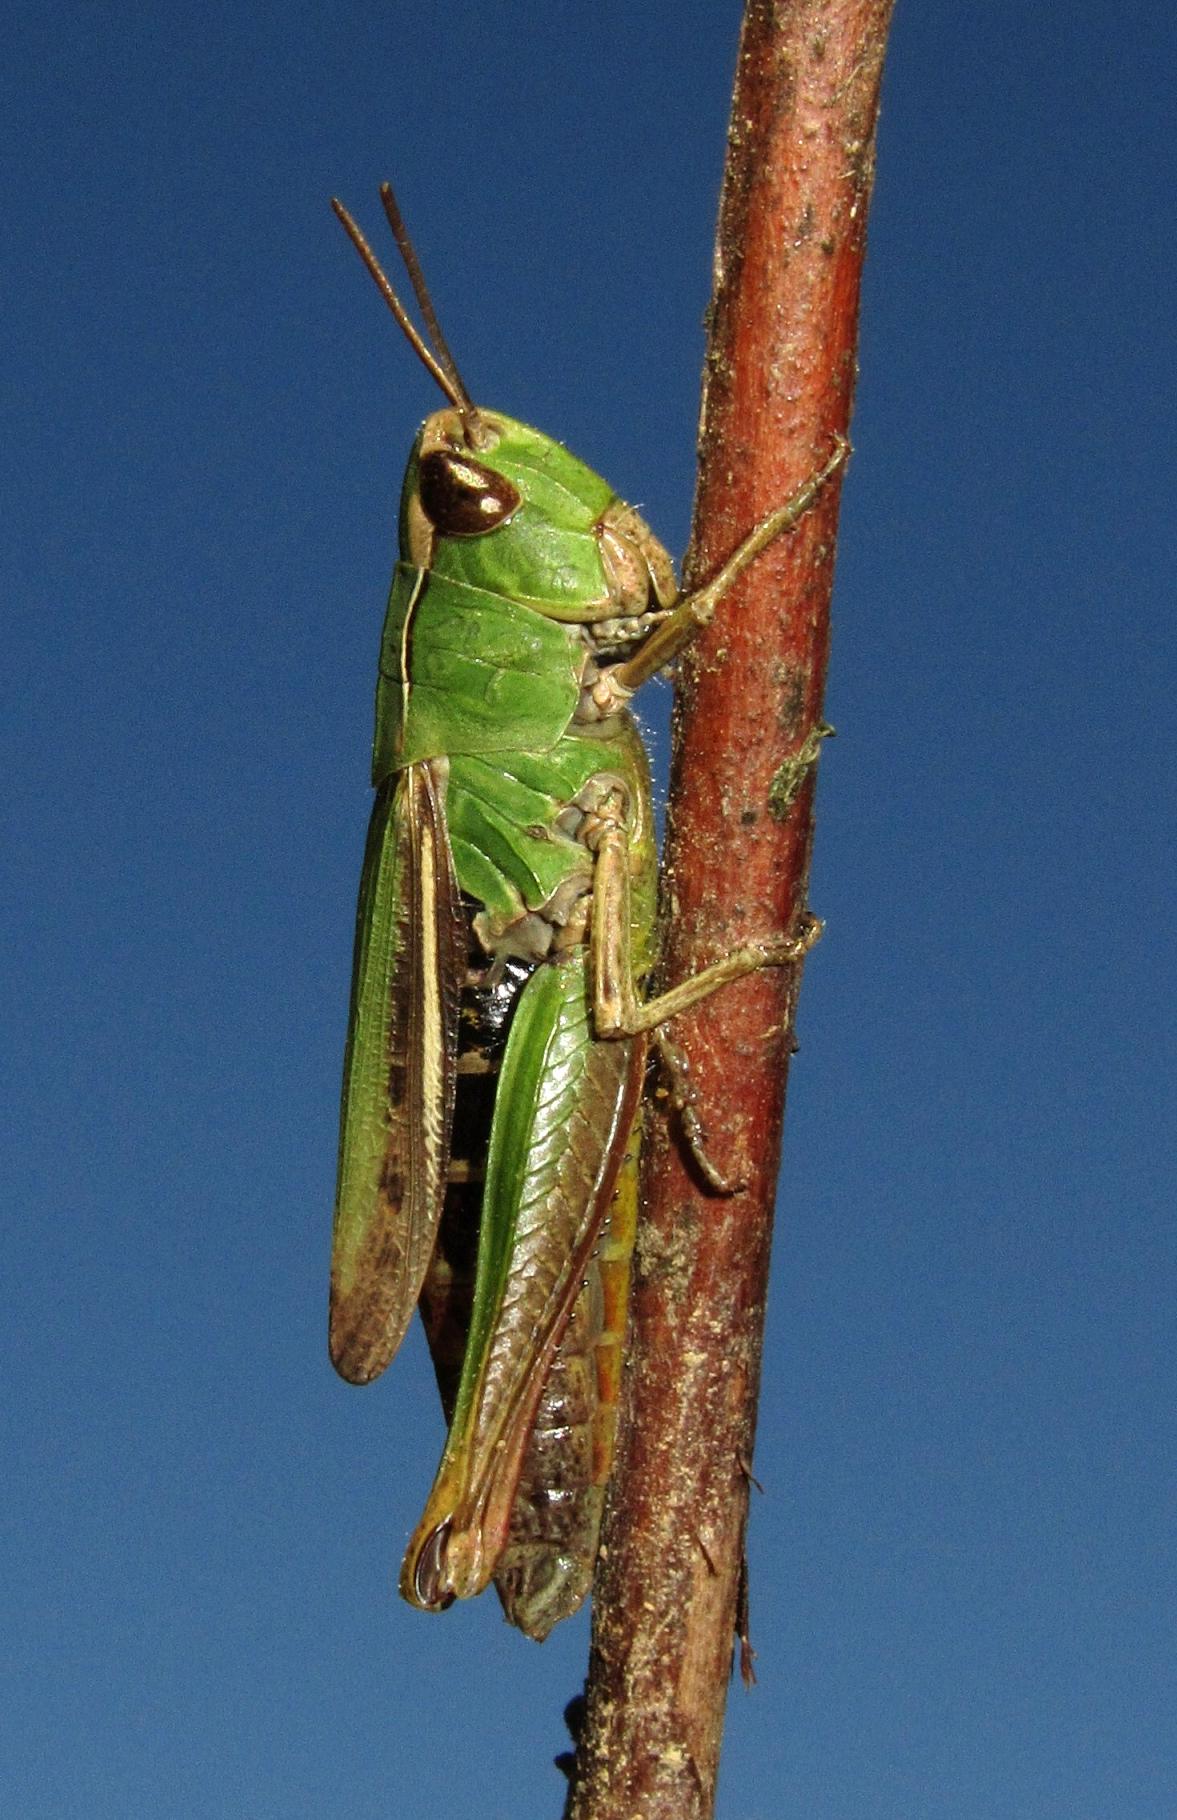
(963, 1565)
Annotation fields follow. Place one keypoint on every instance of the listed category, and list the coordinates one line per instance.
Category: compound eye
(461, 497)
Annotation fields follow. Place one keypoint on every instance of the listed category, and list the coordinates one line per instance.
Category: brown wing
(399, 1072)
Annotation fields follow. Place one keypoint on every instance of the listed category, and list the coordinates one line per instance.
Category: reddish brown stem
(778, 386)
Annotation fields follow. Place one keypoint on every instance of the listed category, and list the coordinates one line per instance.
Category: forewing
(399, 1072)
(546, 1568)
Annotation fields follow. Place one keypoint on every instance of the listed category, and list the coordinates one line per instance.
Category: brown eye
(461, 497)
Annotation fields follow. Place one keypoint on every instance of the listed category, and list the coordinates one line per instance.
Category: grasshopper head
(511, 510)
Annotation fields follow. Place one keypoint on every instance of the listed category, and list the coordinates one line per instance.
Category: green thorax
(510, 852)
(464, 669)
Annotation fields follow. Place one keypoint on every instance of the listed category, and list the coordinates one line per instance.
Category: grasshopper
(499, 1022)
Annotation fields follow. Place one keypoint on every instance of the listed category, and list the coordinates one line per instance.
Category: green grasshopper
(498, 1036)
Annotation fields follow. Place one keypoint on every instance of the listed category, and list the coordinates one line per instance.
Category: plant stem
(777, 389)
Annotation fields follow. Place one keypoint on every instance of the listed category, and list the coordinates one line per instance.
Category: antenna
(441, 364)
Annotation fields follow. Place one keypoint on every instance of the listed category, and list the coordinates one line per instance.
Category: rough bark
(777, 388)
